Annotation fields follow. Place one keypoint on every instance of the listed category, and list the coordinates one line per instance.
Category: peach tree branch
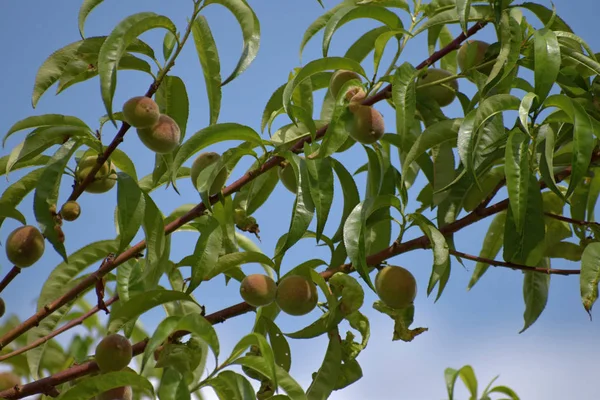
(12, 274)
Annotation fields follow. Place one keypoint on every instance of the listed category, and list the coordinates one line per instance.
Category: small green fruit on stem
(440, 93)
(141, 112)
(70, 211)
(396, 286)
(296, 295)
(258, 290)
(162, 137)
(113, 353)
(200, 163)
(24, 246)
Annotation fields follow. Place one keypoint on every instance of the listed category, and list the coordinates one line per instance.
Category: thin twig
(64, 328)
(9, 277)
(497, 263)
(571, 220)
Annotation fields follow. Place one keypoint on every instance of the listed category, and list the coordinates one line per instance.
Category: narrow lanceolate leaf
(517, 175)
(526, 246)
(547, 158)
(234, 386)
(211, 66)
(320, 23)
(476, 13)
(46, 195)
(86, 8)
(286, 382)
(547, 61)
(404, 97)
(535, 293)
(381, 43)
(304, 207)
(525, 109)
(355, 229)
(11, 212)
(206, 252)
(33, 162)
(54, 66)
(93, 386)
(326, 378)
(441, 254)
(320, 178)
(14, 194)
(124, 163)
(211, 135)
(169, 43)
(583, 137)
(463, 8)
(157, 244)
(351, 196)
(143, 302)
(172, 100)
(250, 26)
(38, 121)
(347, 14)
(590, 275)
(234, 260)
(360, 49)
(254, 194)
(130, 208)
(490, 248)
(114, 48)
(316, 66)
(65, 272)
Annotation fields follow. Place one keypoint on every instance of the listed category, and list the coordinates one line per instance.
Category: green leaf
(173, 385)
(169, 43)
(381, 43)
(54, 66)
(463, 9)
(477, 13)
(583, 137)
(86, 8)
(404, 97)
(279, 344)
(590, 275)
(289, 385)
(351, 196)
(93, 386)
(355, 229)
(46, 194)
(124, 163)
(206, 252)
(115, 46)
(505, 390)
(360, 49)
(518, 175)
(141, 303)
(546, 16)
(234, 260)
(487, 183)
(130, 208)
(316, 66)
(347, 14)
(250, 31)
(547, 61)
(326, 377)
(230, 385)
(490, 248)
(441, 254)
(535, 294)
(320, 23)
(445, 131)
(526, 247)
(547, 158)
(8, 212)
(172, 100)
(211, 135)
(38, 121)
(211, 66)
(266, 352)
(255, 193)
(320, 179)
(35, 161)
(303, 209)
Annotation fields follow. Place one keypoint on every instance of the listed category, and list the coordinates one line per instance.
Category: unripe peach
(8, 380)
(288, 178)
(396, 287)
(443, 95)
(113, 353)
(105, 178)
(203, 161)
(471, 54)
(24, 246)
(141, 112)
(70, 211)
(367, 125)
(258, 290)
(120, 393)
(162, 137)
(339, 78)
(296, 295)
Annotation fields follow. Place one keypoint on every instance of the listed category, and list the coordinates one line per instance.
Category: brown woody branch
(571, 220)
(9, 277)
(64, 328)
(240, 308)
(497, 263)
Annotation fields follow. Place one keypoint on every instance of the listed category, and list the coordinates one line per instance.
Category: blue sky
(552, 360)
